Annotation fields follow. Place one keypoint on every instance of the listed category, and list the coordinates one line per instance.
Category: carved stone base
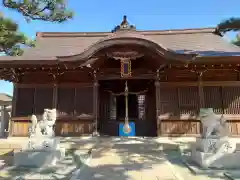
(40, 152)
(215, 153)
(38, 159)
(212, 160)
(39, 143)
(210, 145)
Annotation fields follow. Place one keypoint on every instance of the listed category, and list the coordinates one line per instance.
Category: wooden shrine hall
(97, 81)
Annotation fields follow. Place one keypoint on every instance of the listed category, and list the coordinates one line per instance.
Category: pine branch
(46, 10)
(232, 24)
(11, 40)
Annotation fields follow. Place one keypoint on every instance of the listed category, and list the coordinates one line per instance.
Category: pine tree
(236, 41)
(11, 40)
(232, 24)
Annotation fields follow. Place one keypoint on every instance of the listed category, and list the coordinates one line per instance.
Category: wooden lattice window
(83, 100)
(113, 107)
(25, 102)
(141, 107)
(188, 100)
(65, 101)
(231, 100)
(169, 102)
(213, 98)
(43, 99)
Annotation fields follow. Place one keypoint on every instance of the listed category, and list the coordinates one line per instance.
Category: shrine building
(157, 80)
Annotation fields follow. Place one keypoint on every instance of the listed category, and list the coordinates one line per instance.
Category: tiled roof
(5, 97)
(204, 42)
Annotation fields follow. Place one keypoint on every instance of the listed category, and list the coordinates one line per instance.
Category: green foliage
(46, 10)
(236, 41)
(232, 24)
(11, 40)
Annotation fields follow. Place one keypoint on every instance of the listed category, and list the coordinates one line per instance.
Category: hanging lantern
(126, 70)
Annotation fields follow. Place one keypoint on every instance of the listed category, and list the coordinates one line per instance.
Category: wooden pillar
(55, 96)
(9, 131)
(34, 101)
(200, 90)
(158, 101)
(14, 100)
(2, 120)
(95, 104)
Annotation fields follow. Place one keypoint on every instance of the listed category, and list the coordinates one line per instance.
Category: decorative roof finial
(124, 22)
(124, 25)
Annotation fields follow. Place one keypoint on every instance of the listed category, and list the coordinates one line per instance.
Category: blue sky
(103, 15)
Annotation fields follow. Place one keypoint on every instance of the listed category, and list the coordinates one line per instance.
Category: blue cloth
(131, 133)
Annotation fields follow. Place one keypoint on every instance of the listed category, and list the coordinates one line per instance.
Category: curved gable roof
(204, 42)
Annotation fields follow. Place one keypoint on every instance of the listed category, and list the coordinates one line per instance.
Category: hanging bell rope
(126, 127)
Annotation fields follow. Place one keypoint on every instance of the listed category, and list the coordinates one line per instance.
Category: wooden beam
(112, 77)
(2, 129)
(22, 85)
(75, 101)
(158, 101)
(200, 90)
(14, 100)
(34, 101)
(95, 103)
(55, 96)
(196, 83)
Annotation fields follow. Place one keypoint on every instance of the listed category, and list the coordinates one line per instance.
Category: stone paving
(126, 162)
(62, 170)
(129, 159)
(112, 165)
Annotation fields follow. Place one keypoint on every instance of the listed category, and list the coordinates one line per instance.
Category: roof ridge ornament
(124, 26)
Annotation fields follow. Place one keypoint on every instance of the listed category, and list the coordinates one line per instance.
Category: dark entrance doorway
(141, 106)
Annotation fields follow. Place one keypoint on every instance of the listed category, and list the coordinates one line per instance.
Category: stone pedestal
(40, 152)
(215, 153)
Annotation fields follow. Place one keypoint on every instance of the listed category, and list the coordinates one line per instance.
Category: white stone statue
(212, 124)
(214, 149)
(45, 125)
(43, 148)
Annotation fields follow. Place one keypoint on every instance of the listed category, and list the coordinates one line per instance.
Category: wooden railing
(191, 127)
(65, 126)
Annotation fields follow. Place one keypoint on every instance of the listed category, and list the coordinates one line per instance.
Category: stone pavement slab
(111, 164)
(233, 175)
(63, 170)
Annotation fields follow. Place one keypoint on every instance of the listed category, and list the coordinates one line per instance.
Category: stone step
(145, 147)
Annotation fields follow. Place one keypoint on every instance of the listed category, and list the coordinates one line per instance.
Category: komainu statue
(214, 149)
(212, 124)
(45, 125)
(43, 148)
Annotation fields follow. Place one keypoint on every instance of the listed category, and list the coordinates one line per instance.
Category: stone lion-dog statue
(212, 124)
(44, 126)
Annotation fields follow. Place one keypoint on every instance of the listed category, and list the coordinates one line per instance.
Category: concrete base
(39, 152)
(216, 153)
(226, 161)
(209, 145)
(39, 143)
(37, 158)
